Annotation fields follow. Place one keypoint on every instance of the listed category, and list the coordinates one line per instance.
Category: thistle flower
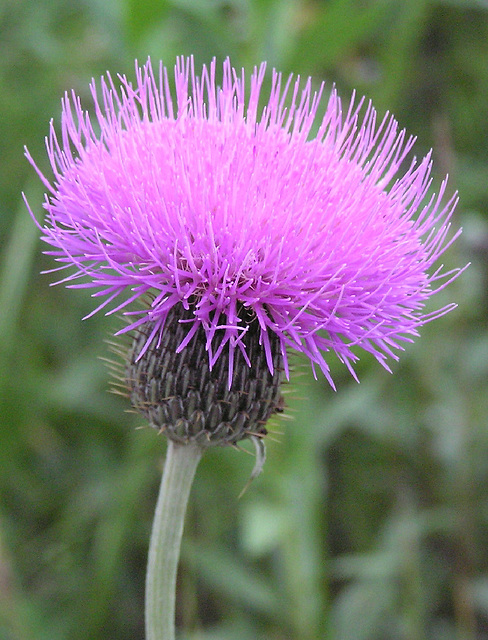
(237, 236)
(239, 220)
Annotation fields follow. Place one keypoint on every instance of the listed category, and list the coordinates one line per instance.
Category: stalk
(164, 549)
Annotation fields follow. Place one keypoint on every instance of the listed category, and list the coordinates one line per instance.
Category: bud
(189, 401)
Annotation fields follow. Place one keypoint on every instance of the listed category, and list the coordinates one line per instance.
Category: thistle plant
(230, 235)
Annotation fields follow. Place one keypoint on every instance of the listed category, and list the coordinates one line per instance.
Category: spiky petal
(206, 201)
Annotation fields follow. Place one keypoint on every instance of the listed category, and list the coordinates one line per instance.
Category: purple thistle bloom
(212, 203)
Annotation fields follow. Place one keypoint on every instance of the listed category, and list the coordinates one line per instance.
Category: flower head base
(182, 397)
(214, 206)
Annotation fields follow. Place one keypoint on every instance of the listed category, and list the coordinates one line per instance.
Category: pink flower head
(211, 202)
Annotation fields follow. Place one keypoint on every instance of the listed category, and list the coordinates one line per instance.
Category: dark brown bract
(182, 397)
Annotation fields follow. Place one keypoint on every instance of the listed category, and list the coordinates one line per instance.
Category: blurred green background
(370, 521)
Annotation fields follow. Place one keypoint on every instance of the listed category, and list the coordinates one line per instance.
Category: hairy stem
(164, 548)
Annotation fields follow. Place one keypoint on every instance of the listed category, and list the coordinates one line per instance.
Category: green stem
(164, 548)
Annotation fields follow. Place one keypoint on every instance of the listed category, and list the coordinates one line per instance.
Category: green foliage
(370, 520)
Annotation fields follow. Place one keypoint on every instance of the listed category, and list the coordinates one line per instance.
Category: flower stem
(164, 548)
